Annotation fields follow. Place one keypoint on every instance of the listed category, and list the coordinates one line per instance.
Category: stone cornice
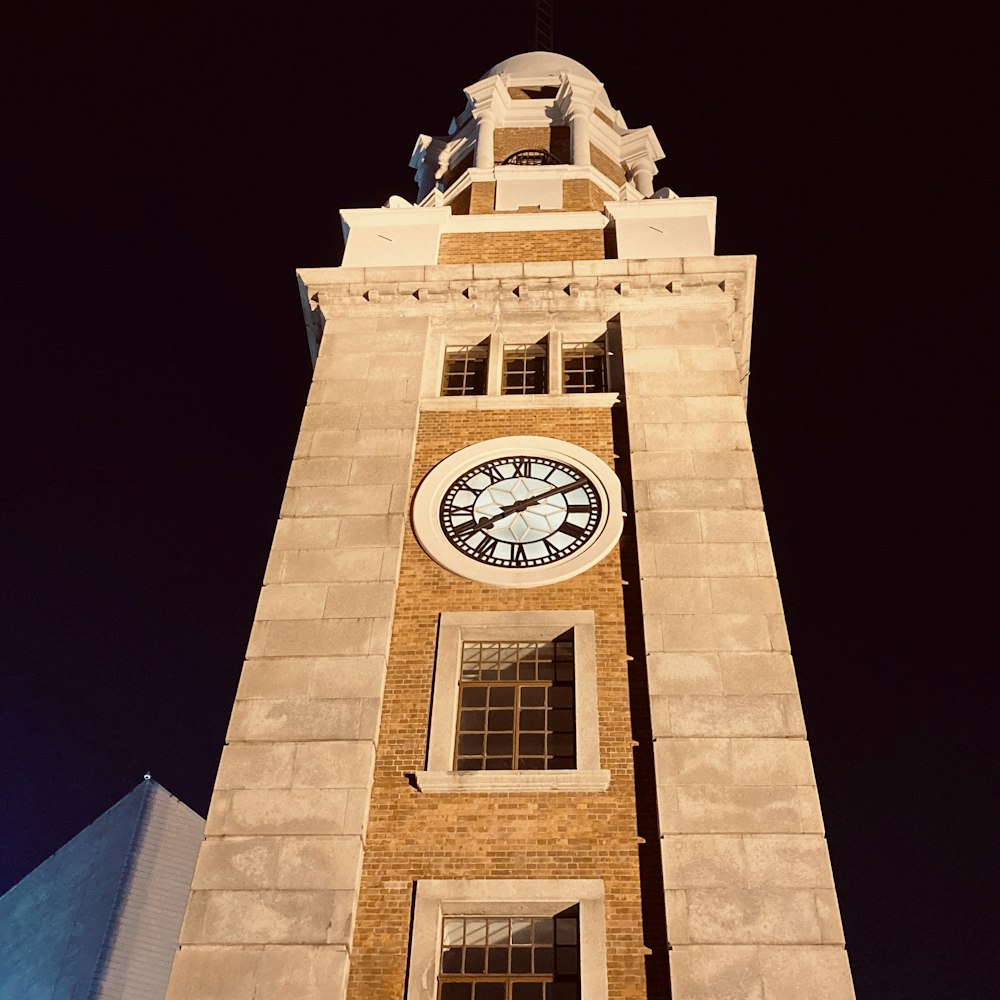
(576, 291)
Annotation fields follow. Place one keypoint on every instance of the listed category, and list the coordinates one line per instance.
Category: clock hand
(519, 505)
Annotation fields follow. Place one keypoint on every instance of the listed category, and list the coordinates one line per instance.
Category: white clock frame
(426, 519)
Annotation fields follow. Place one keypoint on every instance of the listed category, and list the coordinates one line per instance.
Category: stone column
(750, 901)
(642, 176)
(272, 904)
(579, 129)
(484, 140)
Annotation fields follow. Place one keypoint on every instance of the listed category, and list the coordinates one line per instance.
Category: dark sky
(167, 171)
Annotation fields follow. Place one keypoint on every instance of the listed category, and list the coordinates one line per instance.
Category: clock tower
(518, 719)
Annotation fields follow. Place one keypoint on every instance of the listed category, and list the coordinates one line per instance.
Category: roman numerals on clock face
(520, 511)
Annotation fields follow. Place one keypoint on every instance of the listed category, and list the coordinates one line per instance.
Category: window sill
(512, 781)
(531, 401)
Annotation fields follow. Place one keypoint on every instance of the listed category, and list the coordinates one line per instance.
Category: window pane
(524, 371)
(475, 932)
(473, 721)
(527, 991)
(464, 371)
(520, 960)
(491, 991)
(520, 930)
(512, 711)
(544, 961)
(566, 930)
(470, 744)
(567, 959)
(562, 991)
(499, 744)
(498, 960)
(501, 696)
(584, 367)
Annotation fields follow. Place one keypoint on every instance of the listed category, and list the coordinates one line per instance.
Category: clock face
(518, 511)
(521, 511)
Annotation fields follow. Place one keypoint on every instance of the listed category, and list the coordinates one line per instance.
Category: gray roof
(101, 917)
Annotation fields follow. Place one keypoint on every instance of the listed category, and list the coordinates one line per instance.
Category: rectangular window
(511, 958)
(585, 367)
(524, 370)
(516, 706)
(465, 371)
(508, 939)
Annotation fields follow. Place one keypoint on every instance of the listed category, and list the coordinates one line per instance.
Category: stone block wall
(751, 907)
(272, 904)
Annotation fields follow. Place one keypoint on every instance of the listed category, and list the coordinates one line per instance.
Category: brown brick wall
(581, 195)
(610, 168)
(484, 197)
(500, 248)
(462, 202)
(456, 170)
(503, 836)
(510, 140)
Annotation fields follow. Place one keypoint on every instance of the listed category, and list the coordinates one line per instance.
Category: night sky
(167, 171)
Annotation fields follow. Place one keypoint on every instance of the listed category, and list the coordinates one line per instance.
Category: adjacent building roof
(100, 918)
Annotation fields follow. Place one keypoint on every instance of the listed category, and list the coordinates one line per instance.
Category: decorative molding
(438, 898)
(539, 401)
(472, 782)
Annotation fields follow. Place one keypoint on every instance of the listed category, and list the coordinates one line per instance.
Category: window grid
(584, 367)
(516, 707)
(524, 371)
(510, 958)
(465, 371)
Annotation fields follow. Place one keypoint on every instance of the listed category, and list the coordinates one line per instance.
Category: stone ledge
(547, 401)
(512, 781)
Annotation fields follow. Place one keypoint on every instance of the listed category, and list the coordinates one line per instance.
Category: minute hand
(519, 505)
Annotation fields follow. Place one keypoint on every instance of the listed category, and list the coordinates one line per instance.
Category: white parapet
(664, 227)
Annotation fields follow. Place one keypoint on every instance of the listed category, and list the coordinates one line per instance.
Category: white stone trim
(628, 216)
(439, 898)
(525, 222)
(544, 401)
(457, 627)
(427, 500)
(481, 782)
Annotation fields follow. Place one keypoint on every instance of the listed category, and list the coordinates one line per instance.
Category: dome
(539, 64)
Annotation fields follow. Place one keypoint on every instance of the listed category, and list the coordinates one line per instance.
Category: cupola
(538, 133)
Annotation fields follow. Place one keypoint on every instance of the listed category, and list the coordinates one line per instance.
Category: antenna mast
(544, 17)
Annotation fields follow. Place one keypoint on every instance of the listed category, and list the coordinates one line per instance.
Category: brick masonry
(499, 248)
(414, 836)
(611, 169)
